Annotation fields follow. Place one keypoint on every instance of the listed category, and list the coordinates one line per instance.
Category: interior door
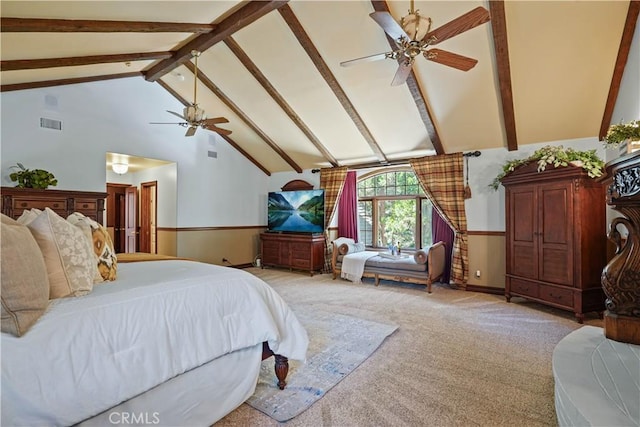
(148, 213)
(131, 219)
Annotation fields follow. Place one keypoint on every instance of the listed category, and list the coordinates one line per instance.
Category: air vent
(212, 154)
(50, 123)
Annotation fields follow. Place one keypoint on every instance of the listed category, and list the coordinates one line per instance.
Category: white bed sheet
(158, 320)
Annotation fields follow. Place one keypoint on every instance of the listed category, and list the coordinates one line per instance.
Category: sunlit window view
(392, 209)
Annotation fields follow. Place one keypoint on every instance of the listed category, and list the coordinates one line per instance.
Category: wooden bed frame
(64, 202)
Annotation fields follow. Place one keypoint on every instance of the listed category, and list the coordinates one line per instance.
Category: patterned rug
(337, 345)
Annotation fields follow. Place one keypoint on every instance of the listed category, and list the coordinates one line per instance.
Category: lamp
(120, 168)
(415, 25)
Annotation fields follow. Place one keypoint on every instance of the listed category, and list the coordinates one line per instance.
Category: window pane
(427, 207)
(396, 223)
(365, 222)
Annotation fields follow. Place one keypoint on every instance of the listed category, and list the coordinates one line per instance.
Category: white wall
(105, 116)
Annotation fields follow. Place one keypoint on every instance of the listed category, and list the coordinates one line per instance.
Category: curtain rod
(394, 162)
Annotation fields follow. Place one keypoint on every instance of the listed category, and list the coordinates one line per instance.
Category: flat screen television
(298, 211)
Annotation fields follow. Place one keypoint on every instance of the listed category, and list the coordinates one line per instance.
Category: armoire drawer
(556, 295)
(522, 287)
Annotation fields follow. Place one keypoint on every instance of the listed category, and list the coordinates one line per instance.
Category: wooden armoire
(555, 237)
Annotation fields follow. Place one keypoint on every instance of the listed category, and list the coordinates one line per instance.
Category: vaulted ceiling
(546, 71)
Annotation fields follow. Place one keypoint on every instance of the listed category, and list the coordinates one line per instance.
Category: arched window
(393, 208)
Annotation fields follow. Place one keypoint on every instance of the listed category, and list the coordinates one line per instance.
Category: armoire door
(523, 222)
(555, 233)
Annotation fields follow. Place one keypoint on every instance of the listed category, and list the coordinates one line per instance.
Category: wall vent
(50, 123)
(212, 154)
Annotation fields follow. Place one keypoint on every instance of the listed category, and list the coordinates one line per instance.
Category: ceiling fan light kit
(413, 37)
(193, 115)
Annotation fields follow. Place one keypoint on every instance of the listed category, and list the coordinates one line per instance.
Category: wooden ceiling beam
(241, 114)
(305, 41)
(621, 62)
(34, 25)
(74, 61)
(501, 47)
(279, 99)
(62, 82)
(414, 90)
(244, 16)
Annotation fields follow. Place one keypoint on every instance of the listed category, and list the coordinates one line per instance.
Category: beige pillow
(28, 215)
(104, 251)
(25, 286)
(67, 255)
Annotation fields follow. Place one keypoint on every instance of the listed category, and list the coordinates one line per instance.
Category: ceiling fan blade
(401, 74)
(216, 129)
(191, 131)
(389, 25)
(463, 23)
(176, 114)
(450, 59)
(369, 58)
(215, 120)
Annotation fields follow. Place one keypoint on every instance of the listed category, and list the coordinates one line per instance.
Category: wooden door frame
(145, 217)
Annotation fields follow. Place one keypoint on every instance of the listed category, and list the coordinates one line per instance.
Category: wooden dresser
(555, 238)
(293, 251)
(64, 202)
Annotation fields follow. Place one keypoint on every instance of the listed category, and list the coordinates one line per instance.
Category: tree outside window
(393, 208)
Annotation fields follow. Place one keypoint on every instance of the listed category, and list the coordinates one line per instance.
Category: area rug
(337, 345)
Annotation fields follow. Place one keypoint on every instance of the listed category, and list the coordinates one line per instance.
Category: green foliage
(36, 178)
(621, 132)
(397, 223)
(556, 156)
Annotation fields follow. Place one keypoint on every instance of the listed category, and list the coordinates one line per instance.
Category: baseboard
(247, 265)
(485, 289)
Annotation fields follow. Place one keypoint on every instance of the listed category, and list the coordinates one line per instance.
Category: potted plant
(557, 156)
(622, 132)
(32, 178)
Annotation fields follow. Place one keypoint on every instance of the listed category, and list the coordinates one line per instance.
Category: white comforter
(158, 320)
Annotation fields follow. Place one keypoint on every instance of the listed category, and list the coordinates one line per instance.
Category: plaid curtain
(442, 179)
(332, 181)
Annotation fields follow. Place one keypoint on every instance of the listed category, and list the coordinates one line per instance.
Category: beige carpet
(458, 358)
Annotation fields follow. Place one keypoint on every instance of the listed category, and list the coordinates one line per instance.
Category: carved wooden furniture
(64, 202)
(555, 237)
(293, 251)
(621, 276)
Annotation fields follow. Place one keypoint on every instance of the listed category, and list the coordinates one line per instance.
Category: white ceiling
(561, 56)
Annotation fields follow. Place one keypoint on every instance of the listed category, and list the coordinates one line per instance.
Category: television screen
(300, 211)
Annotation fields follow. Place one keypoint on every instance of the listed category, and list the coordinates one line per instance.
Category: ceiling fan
(413, 37)
(193, 115)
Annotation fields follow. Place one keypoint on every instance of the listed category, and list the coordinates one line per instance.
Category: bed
(168, 342)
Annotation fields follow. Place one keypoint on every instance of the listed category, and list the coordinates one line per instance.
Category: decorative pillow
(103, 249)
(29, 215)
(421, 256)
(349, 248)
(67, 255)
(25, 286)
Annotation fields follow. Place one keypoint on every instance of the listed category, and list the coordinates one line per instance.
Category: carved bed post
(281, 365)
(621, 277)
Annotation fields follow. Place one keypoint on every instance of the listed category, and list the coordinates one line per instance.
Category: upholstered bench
(424, 266)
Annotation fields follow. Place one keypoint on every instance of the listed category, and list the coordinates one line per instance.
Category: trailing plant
(557, 156)
(32, 178)
(617, 134)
